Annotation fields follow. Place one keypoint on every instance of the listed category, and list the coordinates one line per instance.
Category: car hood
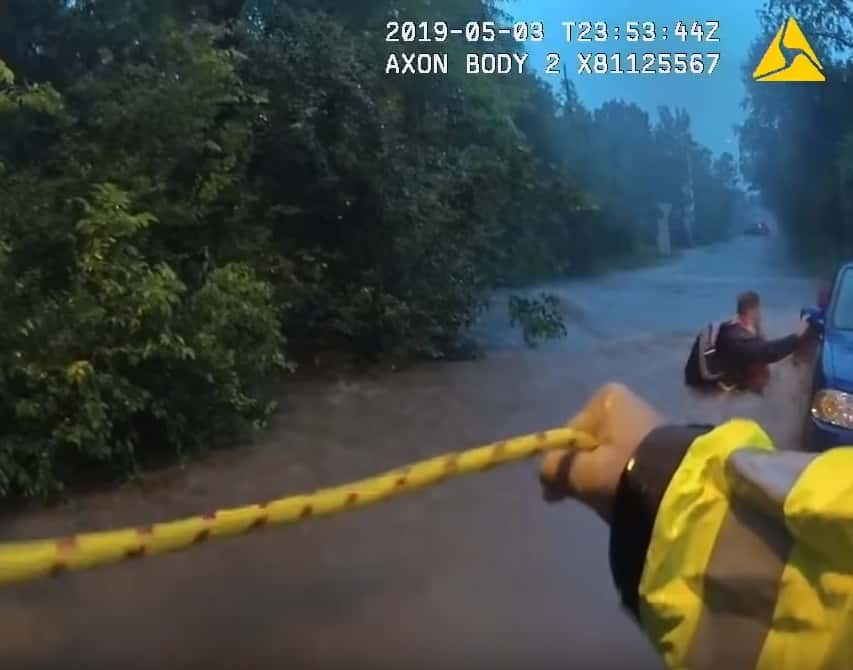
(838, 359)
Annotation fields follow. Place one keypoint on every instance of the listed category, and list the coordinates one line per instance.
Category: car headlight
(835, 407)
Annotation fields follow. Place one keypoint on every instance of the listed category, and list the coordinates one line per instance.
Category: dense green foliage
(797, 142)
(195, 194)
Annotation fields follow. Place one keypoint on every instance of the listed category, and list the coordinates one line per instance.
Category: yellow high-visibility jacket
(750, 560)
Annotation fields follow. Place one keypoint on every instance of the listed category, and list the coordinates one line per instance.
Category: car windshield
(842, 313)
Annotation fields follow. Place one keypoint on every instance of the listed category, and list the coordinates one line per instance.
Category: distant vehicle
(829, 422)
(758, 228)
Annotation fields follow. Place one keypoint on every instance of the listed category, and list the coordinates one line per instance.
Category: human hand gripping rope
(29, 561)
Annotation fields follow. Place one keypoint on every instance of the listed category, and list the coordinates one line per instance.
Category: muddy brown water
(476, 573)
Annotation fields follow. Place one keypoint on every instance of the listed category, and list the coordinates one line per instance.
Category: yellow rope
(27, 561)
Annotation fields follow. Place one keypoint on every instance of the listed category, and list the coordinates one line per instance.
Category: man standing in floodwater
(741, 354)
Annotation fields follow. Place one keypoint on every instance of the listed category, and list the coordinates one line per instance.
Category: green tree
(793, 142)
(195, 194)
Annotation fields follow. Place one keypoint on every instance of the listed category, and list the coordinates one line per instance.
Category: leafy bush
(539, 318)
(126, 355)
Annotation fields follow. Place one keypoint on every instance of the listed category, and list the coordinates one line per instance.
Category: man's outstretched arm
(758, 351)
(755, 350)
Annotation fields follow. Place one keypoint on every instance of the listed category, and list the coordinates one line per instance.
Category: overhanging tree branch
(836, 37)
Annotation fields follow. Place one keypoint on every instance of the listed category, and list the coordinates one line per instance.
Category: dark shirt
(636, 504)
(742, 352)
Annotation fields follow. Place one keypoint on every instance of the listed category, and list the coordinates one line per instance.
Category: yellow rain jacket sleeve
(749, 558)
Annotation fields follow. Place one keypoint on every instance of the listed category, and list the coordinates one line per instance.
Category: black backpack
(704, 367)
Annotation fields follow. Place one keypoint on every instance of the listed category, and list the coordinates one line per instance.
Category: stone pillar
(689, 205)
(664, 243)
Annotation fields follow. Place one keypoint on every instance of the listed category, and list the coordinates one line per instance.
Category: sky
(713, 101)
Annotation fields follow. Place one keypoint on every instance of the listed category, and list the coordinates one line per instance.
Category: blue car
(830, 420)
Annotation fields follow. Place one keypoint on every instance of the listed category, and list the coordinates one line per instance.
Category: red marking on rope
(210, 516)
(202, 536)
(259, 522)
(306, 512)
(145, 530)
(138, 552)
(66, 543)
(352, 498)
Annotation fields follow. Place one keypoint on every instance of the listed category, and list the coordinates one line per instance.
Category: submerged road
(476, 574)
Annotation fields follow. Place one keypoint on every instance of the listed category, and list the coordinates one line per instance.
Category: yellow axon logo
(789, 57)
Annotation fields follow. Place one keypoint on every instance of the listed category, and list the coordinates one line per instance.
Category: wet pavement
(477, 573)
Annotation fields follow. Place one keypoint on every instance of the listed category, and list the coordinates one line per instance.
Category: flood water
(477, 573)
